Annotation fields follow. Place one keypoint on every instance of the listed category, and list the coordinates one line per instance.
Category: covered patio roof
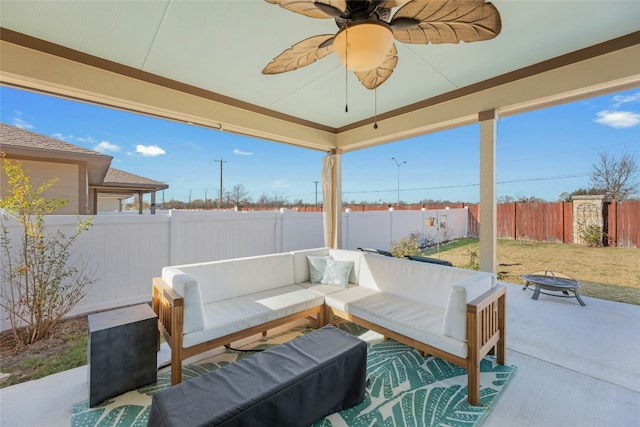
(200, 62)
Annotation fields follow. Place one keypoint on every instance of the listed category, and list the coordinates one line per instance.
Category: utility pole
(316, 182)
(221, 162)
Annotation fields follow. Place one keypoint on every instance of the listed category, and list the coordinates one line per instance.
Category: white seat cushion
(324, 289)
(416, 320)
(235, 314)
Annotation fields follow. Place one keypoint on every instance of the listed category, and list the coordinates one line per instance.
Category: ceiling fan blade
(373, 78)
(301, 54)
(313, 8)
(446, 21)
(394, 3)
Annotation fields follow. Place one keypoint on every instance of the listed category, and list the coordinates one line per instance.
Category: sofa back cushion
(301, 263)
(224, 279)
(188, 287)
(420, 281)
(455, 317)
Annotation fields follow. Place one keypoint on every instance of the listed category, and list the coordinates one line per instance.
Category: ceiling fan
(367, 29)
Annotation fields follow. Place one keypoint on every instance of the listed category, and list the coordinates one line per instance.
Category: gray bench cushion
(293, 384)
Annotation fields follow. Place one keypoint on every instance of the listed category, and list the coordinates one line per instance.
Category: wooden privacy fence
(554, 222)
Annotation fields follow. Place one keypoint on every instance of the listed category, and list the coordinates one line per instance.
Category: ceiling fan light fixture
(363, 46)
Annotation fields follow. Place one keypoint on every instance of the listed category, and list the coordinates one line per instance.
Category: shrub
(40, 283)
(592, 235)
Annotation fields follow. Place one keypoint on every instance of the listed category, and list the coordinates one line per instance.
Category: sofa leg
(321, 318)
(176, 368)
(473, 380)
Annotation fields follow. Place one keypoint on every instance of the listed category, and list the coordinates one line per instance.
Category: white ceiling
(222, 46)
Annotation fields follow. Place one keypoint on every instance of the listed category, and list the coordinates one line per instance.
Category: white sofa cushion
(246, 311)
(463, 292)
(421, 281)
(341, 300)
(323, 289)
(188, 287)
(416, 320)
(225, 279)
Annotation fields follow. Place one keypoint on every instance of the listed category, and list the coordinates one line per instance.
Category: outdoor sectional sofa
(451, 313)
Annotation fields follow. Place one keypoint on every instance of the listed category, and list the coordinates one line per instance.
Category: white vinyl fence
(124, 252)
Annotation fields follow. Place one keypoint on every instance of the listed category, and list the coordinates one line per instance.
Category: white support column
(153, 203)
(488, 210)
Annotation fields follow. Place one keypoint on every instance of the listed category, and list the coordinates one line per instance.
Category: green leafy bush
(40, 283)
(593, 235)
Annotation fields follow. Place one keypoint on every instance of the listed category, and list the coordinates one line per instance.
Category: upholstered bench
(293, 384)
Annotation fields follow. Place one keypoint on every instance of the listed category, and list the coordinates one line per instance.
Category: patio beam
(33, 64)
(488, 208)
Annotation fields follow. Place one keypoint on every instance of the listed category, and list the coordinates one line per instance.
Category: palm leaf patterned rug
(404, 388)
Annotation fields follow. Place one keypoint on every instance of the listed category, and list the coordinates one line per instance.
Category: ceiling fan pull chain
(346, 78)
(346, 90)
(375, 108)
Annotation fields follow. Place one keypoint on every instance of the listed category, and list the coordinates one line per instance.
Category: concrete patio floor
(577, 366)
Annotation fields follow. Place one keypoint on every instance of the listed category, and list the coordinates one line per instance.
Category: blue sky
(542, 153)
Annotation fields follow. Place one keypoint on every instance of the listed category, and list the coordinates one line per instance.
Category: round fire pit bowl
(562, 285)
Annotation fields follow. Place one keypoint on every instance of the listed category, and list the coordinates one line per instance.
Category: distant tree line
(615, 178)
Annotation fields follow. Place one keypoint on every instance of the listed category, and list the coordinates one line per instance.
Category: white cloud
(149, 150)
(624, 99)
(618, 119)
(106, 146)
(88, 139)
(280, 184)
(62, 137)
(242, 153)
(22, 124)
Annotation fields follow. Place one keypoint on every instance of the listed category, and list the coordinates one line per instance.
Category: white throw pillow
(317, 267)
(337, 273)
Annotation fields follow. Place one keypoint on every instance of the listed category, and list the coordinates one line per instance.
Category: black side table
(121, 351)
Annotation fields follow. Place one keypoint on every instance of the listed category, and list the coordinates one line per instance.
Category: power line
(442, 187)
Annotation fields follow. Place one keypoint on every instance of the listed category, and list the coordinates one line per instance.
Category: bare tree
(616, 177)
(239, 195)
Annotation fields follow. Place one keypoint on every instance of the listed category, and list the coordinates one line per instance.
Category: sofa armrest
(486, 322)
(169, 306)
(460, 294)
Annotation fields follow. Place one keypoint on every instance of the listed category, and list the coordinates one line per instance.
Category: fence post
(174, 236)
(466, 221)
(346, 238)
(391, 210)
(612, 216)
(278, 243)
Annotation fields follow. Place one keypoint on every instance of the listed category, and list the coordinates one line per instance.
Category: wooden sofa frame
(486, 334)
(486, 331)
(169, 307)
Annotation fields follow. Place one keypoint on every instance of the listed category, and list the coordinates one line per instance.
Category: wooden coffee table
(554, 282)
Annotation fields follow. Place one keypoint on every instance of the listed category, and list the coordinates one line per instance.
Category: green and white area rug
(404, 389)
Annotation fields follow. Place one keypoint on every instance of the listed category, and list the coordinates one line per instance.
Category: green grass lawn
(606, 273)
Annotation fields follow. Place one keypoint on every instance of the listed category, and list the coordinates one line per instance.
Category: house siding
(67, 187)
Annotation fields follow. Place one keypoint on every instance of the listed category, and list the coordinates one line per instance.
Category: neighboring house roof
(119, 180)
(22, 143)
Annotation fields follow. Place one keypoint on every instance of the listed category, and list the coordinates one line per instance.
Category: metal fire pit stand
(547, 280)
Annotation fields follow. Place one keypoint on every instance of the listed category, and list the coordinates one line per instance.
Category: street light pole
(398, 164)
